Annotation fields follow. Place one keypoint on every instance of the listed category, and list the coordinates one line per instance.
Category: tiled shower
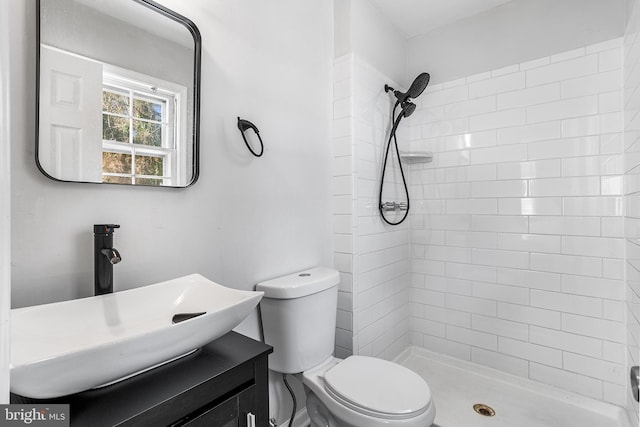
(522, 228)
(516, 240)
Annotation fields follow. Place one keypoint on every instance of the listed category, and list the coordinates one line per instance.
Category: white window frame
(174, 132)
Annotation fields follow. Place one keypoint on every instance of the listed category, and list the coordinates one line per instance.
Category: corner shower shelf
(411, 157)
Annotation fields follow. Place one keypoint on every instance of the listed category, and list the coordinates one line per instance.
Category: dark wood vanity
(223, 384)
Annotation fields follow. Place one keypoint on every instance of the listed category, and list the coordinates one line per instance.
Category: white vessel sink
(67, 347)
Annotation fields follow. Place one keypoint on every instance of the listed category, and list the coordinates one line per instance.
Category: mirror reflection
(118, 93)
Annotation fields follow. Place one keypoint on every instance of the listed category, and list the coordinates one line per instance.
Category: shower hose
(392, 138)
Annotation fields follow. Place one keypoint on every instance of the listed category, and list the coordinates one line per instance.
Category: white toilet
(299, 319)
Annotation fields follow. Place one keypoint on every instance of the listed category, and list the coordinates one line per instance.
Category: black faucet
(104, 256)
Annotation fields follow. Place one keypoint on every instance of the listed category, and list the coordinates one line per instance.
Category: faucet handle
(105, 229)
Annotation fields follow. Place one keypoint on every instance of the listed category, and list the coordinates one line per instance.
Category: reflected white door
(70, 145)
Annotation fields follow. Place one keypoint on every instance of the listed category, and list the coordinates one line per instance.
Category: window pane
(149, 181)
(115, 102)
(146, 133)
(117, 179)
(149, 165)
(147, 110)
(116, 162)
(115, 128)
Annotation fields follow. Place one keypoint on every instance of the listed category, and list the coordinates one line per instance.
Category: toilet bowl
(299, 318)
(363, 391)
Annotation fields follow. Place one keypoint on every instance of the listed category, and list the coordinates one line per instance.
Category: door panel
(70, 116)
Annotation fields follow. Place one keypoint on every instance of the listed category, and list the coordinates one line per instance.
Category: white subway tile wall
(343, 200)
(381, 310)
(631, 176)
(517, 247)
(373, 258)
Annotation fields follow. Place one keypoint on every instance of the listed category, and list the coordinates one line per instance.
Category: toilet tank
(299, 318)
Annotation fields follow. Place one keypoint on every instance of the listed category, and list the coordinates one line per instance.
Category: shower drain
(484, 410)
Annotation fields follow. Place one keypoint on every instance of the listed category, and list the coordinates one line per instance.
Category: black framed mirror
(118, 86)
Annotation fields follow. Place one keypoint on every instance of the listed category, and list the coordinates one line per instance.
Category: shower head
(417, 87)
(407, 108)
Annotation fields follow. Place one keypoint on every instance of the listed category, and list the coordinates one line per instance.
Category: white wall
(362, 29)
(344, 200)
(341, 28)
(632, 193)
(246, 219)
(377, 41)
(516, 32)
(630, 7)
(5, 204)
(517, 227)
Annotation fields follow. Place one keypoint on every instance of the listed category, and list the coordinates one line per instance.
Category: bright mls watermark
(34, 415)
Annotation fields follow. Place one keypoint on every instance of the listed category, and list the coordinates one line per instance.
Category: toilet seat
(377, 388)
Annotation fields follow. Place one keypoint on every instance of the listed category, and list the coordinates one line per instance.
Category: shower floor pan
(457, 386)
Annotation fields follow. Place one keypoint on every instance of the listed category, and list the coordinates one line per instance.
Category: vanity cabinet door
(224, 384)
(236, 411)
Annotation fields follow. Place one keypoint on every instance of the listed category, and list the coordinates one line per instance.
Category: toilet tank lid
(300, 284)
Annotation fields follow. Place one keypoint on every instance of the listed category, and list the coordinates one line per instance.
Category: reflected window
(139, 126)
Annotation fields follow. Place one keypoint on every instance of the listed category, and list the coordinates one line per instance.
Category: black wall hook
(244, 125)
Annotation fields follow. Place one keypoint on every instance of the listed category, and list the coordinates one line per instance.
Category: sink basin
(71, 346)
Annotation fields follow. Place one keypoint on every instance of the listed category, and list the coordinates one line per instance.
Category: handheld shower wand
(406, 109)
